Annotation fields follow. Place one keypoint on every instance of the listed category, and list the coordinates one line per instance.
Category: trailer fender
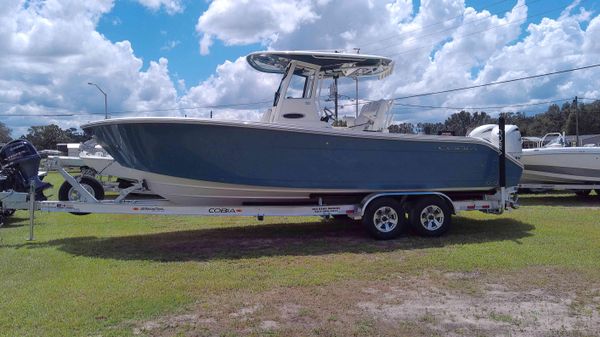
(369, 198)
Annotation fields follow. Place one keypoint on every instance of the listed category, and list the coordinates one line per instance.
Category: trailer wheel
(69, 193)
(384, 219)
(430, 216)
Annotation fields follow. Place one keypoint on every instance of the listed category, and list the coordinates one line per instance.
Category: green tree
(76, 136)
(589, 119)
(4, 133)
(430, 128)
(47, 136)
(462, 122)
(408, 128)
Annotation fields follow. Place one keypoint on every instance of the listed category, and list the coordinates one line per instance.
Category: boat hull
(203, 162)
(570, 165)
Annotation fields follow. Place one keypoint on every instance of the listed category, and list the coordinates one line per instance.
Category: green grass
(99, 274)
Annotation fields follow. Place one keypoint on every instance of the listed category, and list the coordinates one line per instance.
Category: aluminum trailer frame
(503, 199)
(560, 187)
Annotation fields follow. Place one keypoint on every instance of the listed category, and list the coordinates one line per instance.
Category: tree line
(45, 136)
(554, 119)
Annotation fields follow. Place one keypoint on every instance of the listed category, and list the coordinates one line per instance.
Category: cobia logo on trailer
(221, 210)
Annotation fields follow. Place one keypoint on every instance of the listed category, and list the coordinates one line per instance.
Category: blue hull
(274, 156)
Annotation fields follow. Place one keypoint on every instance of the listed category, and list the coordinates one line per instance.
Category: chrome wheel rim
(385, 219)
(432, 217)
(74, 195)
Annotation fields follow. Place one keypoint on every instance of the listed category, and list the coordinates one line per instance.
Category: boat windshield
(553, 140)
(300, 85)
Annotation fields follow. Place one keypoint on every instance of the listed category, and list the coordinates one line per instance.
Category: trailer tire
(68, 193)
(430, 216)
(384, 219)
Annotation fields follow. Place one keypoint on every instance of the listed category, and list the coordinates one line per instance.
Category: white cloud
(170, 6)
(444, 44)
(233, 83)
(245, 22)
(51, 50)
(170, 45)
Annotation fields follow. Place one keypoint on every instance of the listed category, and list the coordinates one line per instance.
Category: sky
(186, 58)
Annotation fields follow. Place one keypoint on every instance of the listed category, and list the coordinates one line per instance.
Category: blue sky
(163, 57)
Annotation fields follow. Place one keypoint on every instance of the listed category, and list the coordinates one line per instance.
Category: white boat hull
(569, 165)
(206, 193)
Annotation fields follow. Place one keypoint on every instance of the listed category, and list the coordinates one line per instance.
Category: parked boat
(294, 154)
(554, 163)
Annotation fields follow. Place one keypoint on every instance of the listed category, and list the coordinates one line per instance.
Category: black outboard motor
(19, 165)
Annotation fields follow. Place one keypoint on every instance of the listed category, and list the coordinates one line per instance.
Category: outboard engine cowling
(512, 140)
(491, 133)
(19, 164)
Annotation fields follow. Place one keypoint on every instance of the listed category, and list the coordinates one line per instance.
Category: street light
(105, 99)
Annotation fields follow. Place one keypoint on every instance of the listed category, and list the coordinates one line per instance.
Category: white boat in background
(553, 163)
(94, 157)
(99, 171)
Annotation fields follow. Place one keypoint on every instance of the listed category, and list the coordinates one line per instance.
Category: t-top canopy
(331, 64)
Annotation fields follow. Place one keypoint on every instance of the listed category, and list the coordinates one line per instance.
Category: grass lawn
(533, 271)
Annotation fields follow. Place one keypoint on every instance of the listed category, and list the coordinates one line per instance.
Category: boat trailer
(384, 210)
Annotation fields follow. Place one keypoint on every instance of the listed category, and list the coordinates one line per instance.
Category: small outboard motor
(19, 165)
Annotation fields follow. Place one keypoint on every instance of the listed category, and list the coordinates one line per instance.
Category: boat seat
(374, 116)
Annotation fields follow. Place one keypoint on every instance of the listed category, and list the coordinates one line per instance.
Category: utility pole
(210, 114)
(105, 99)
(576, 121)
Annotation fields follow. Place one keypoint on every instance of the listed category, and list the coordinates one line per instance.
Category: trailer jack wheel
(384, 218)
(430, 216)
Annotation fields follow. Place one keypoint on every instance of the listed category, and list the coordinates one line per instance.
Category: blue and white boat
(293, 154)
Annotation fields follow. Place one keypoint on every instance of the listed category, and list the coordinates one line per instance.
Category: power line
(139, 111)
(481, 107)
(397, 98)
(195, 107)
(499, 82)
